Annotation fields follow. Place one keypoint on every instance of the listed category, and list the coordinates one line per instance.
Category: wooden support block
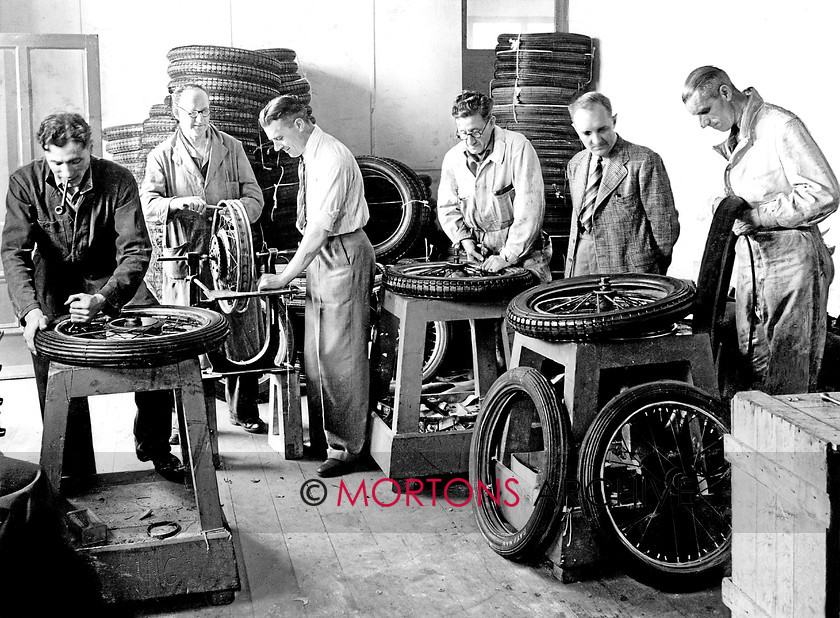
(285, 425)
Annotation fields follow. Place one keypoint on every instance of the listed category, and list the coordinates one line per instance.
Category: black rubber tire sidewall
(542, 527)
(653, 316)
(152, 352)
(592, 451)
(505, 284)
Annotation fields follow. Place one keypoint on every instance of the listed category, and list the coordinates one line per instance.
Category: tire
(216, 53)
(230, 70)
(218, 85)
(451, 281)
(524, 92)
(231, 254)
(126, 144)
(150, 140)
(556, 41)
(134, 156)
(565, 309)
(280, 54)
(122, 131)
(181, 333)
(390, 185)
(716, 270)
(656, 484)
(160, 110)
(514, 388)
(438, 335)
(160, 124)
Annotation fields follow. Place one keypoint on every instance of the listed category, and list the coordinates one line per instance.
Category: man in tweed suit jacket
(631, 224)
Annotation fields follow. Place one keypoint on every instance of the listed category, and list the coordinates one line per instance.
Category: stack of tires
(125, 144)
(239, 81)
(536, 77)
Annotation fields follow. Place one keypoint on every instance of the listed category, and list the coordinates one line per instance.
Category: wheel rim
(519, 397)
(231, 255)
(141, 336)
(663, 483)
(601, 307)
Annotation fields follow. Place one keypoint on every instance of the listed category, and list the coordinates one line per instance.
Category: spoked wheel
(140, 337)
(657, 485)
(453, 280)
(232, 254)
(592, 307)
(520, 400)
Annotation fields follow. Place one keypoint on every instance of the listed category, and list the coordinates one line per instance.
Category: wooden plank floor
(330, 560)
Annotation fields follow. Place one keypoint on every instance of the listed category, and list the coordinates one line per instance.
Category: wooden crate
(785, 506)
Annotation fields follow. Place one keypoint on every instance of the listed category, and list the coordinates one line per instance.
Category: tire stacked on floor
(239, 82)
(536, 77)
(125, 144)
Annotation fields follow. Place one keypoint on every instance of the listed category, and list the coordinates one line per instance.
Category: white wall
(383, 73)
(647, 48)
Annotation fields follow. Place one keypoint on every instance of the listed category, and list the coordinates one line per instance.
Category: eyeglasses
(205, 113)
(475, 133)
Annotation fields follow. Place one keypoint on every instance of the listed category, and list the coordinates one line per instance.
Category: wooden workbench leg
(199, 464)
(412, 343)
(212, 422)
(581, 387)
(285, 419)
(485, 368)
(56, 411)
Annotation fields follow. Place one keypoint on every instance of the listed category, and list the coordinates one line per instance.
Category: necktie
(587, 211)
(732, 140)
(301, 196)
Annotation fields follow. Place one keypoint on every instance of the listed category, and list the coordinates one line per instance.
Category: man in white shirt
(339, 263)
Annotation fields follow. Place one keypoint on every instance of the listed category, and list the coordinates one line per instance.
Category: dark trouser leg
(241, 397)
(152, 423)
(78, 443)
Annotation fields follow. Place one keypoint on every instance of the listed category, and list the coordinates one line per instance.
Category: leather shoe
(169, 467)
(251, 425)
(334, 467)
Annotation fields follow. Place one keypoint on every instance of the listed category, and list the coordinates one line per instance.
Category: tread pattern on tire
(676, 298)
(223, 54)
(210, 333)
(122, 131)
(404, 279)
(412, 193)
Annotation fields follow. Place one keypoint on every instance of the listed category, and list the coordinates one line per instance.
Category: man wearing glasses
(491, 199)
(197, 166)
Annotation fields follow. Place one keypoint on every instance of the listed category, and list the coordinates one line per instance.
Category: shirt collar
(312, 142)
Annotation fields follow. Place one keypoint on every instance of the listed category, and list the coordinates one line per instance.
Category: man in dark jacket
(75, 242)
